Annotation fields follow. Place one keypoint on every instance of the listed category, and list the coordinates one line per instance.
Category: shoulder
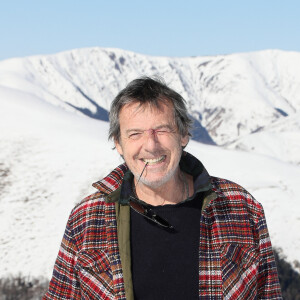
(98, 204)
(89, 216)
(234, 196)
(89, 204)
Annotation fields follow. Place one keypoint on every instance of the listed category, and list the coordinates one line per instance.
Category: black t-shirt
(165, 262)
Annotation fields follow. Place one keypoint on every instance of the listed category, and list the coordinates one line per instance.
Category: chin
(156, 183)
(152, 184)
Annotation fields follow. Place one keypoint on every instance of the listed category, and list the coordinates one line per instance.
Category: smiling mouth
(152, 161)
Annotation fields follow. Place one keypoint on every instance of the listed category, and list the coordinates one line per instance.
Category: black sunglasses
(148, 213)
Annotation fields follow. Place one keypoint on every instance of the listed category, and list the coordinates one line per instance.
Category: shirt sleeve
(268, 282)
(64, 283)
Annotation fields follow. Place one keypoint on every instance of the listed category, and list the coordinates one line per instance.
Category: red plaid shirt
(235, 253)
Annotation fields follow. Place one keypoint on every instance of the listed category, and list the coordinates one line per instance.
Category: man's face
(150, 135)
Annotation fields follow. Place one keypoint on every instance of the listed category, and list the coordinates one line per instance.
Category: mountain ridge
(229, 96)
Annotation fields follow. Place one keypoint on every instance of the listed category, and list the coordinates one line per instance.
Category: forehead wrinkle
(151, 106)
(155, 104)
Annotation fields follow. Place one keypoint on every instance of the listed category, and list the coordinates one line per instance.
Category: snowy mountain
(229, 96)
(51, 150)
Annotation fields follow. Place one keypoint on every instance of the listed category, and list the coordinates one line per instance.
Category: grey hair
(146, 90)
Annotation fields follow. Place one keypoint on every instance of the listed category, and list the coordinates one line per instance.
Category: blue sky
(164, 28)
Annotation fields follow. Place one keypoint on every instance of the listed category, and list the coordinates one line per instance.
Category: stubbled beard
(155, 183)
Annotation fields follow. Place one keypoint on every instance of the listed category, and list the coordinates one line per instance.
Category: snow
(50, 153)
(48, 159)
(279, 140)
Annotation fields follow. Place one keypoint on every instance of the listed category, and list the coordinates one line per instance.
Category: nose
(150, 140)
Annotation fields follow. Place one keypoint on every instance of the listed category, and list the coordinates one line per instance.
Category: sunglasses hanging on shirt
(147, 212)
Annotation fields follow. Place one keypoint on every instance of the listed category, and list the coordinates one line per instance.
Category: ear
(184, 140)
(118, 147)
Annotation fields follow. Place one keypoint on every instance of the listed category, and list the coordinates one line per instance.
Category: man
(159, 226)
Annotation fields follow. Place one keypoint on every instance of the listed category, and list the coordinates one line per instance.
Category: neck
(171, 192)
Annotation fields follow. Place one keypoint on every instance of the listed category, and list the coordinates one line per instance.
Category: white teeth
(153, 160)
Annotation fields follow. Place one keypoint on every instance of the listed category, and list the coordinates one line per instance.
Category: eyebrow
(155, 128)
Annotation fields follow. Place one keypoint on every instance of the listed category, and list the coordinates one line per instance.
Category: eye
(163, 131)
(135, 135)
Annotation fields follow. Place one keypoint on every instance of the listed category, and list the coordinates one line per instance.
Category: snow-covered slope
(50, 157)
(280, 140)
(230, 96)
